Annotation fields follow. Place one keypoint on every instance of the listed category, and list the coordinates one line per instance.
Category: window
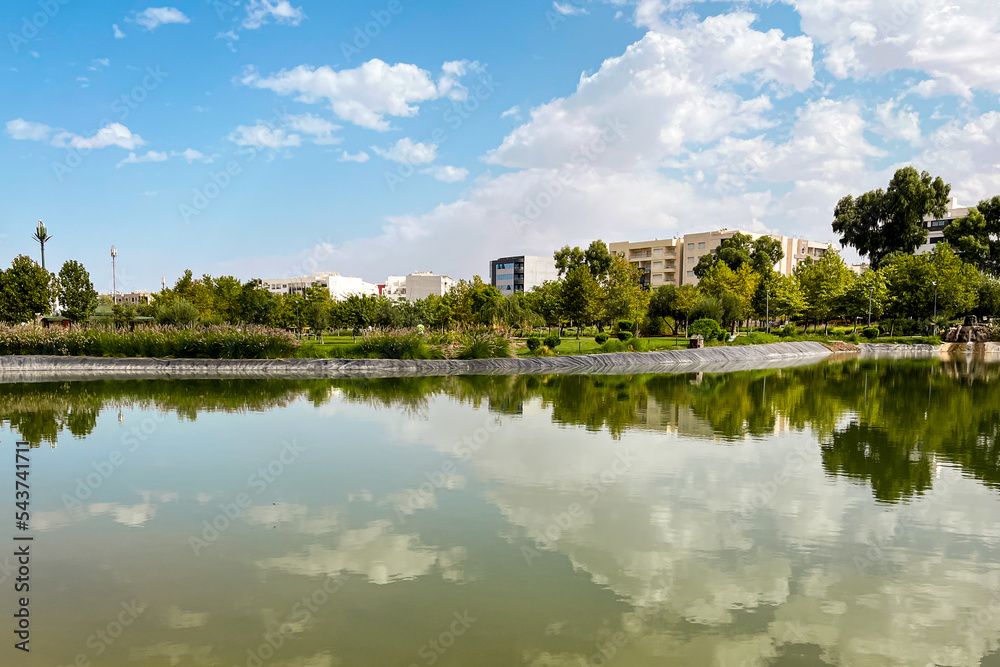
(690, 260)
(701, 246)
(657, 265)
(657, 251)
(657, 276)
(690, 246)
(690, 274)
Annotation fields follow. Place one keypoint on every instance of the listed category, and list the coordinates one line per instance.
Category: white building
(935, 227)
(521, 273)
(340, 287)
(418, 285)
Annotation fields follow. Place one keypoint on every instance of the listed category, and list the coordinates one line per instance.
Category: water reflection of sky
(661, 546)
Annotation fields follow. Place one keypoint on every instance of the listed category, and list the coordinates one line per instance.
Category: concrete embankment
(989, 351)
(712, 359)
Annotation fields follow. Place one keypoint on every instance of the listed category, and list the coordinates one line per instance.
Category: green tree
(76, 292)
(26, 289)
(581, 297)
(911, 286)
(359, 312)
(546, 300)
(743, 282)
(892, 220)
(624, 298)
(255, 304)
(663, 303)
(179, 312)
(823, 283)
(741, 249)
(226, 292)
(597, 258)
(976, 237)
(869, 288)
(687, 297)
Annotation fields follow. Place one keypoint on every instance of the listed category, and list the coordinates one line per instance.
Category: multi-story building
(672, 261)
(135, 298)
(340, 287)
(418, 285)
(521, 273)
(935, 226)
(660, 261)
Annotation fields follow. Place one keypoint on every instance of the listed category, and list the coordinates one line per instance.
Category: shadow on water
(887, 423)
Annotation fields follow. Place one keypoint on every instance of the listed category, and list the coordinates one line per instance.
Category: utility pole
(114, 275)
(42, 236)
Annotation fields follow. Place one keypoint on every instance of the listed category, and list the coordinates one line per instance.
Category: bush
(395, 346)
(249, 342)
(631, 345)
(871, 333)
(601, 338)
(534, 343)
(709, 329)
(624, 335)
(552, 341)
(483, 344)
(179, 312)
(789, 330)
(756, 338)
(626, 325)
(708, 308)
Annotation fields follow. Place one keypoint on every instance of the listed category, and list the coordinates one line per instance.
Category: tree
(546, 300)
(884, 221)
(597, 258)
(823, 283)
(581, 297)
(226, 292)
(743, 283)
(911, 286)
(687, 297)
(179, 312)
(359, 312)
(663, 304)
(255, 304)
(26, 289)
(741, 249)
(76, 292)
(976, 237)
(864, 291)
(767, 252)
(624, 297)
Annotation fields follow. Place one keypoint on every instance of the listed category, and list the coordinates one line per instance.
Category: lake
(845, 513)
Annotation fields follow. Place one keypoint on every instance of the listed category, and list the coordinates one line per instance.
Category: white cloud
(154, 17)
(260, 12)
(448, 174)
(364, 95)
(407, 151)
(567, 9)
(967, 154)
(26, 130)
(321, 129)
(898, 123)
(262, 136)
(97, 64)
(513, 112)
(118, 32)
(150, 156)
(360, 157)
(83, 81)
(192, 155)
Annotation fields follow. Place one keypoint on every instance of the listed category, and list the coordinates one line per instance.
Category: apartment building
(340, 287)
(935, 227)
(672, 261)
(660, 261)
(521, 273)
(417, 285)
(135, 298)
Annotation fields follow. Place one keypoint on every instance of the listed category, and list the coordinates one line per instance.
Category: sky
(269, 138)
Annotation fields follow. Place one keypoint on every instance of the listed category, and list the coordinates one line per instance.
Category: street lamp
(767, 316)
(114, 276)
(42, 235)
(935, 302)
(871, 291)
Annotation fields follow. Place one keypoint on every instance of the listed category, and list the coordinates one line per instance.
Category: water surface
(839, 514)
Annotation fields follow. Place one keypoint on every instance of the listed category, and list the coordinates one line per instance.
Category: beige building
(340, 287)
(132, 298)
(418, 285)
(672, 261)
(935, 227)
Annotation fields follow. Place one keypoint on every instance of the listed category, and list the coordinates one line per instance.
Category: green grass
(572, 346)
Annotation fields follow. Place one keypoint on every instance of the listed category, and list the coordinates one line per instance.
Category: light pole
(935, 304)
(42, 236)
(767, 315)
(114, 276)
(871, 291)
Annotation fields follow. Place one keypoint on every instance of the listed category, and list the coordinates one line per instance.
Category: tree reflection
(886, 422)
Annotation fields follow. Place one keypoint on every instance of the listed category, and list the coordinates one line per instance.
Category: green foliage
(596, 259)
(976, 237)
(155, 341)
(881, 222)
(358, 311)
(756, 338)
(624, 297)
(384, 345)
(871, 333)
(911, 278)
(76, 292)
(707, 308)
(624, 335)
(534, 343)
(629, 345)
(823, 284)
(742, 250)
(483, 343)
(601, 338)
(626, 325)
(552, 341)
(123, 315)
(580, 296)
(708, 329)
(26, 289)
(789, 330)
(179, 312)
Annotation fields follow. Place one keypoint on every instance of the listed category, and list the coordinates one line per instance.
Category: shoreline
(720, 359)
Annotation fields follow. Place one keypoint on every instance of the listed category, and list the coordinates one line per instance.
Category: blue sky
(264, 138)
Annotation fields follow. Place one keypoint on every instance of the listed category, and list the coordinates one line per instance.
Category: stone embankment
(712, 359)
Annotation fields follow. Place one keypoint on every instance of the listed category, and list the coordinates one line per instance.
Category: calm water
(842, 514)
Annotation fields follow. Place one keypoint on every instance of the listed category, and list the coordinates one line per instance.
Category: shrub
(709, 329)
(789, 330)
(179, 312)
(624, 335)
(395, 346)
(756, 338)
(534, 343)
(601, 338)
(625, 325)
(871, 333)
(708, 308)
(631, 345)
(552, 341)
(483, 344)
(852, 338)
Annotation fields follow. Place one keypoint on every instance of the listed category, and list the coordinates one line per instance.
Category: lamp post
(42, 236)
(767, 315)
(935, 283)
(114, 276)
